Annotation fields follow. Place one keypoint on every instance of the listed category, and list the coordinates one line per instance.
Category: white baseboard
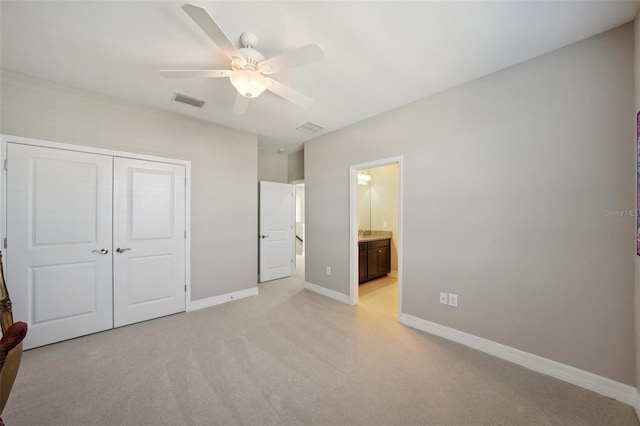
(223, 298)
(593, 382)
(636, 404)
(340, 297)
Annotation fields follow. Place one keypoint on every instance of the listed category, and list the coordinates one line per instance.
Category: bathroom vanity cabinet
(374, 259)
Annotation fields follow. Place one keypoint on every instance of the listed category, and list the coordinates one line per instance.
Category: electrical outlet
(453, 300)
(444, 298)
(328, 270)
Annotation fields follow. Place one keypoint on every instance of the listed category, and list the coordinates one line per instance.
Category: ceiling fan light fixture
(248, 83)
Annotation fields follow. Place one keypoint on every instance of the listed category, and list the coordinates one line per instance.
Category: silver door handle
(122, 250)
(264, 236)
(101, 251)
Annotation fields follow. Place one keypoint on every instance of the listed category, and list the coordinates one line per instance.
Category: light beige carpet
(288, 357)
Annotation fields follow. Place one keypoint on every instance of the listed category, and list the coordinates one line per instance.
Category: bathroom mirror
(364, 200)
(378, 198)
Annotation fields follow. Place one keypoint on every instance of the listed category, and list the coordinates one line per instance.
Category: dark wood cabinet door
(362, 264)
(372, 264)
(384, 261)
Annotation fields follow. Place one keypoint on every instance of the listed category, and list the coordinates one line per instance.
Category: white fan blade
(196, 73)
(202, 18)
(289, 94)
(293, 58)
(241, 105)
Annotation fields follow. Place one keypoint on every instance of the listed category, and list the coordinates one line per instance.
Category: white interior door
(59, 242)
(148, 240)
(276, 230)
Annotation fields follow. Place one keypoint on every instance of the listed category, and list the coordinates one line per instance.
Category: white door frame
(353, 225)
(5, 139)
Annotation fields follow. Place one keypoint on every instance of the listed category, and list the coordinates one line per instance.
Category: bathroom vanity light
(364, 178)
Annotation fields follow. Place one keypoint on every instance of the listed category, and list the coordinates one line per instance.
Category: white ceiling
(379, 55)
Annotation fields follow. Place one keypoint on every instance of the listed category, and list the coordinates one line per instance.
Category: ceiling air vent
(179, 97)
(310, 128)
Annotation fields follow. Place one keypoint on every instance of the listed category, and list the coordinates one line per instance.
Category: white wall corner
(340, 297)
(218, 300)
(584, 379)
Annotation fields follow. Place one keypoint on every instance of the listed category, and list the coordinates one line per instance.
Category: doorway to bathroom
(376, 235)
(299, 196)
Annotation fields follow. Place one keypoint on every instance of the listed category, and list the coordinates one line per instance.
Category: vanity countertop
(374, 236)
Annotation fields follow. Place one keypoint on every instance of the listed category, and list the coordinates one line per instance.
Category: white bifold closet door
(59, 215)
(94, 241)
(148, 240)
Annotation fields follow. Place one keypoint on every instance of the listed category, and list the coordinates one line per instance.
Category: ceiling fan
(249, 69)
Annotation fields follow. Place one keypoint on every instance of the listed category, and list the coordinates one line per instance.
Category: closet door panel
(59, 227)
(149, 227)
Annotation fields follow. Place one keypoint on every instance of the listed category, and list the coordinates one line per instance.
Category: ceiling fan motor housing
(251, 59)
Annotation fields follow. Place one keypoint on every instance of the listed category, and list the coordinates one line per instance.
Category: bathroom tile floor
(380, 295)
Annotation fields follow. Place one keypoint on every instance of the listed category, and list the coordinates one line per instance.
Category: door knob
(264, 236)
(101, 251)
(122, 250)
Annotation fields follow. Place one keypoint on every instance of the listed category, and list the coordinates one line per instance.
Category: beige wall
(637, 282)
(224, 166)
(272, 167)
(296, 166)
(507, 181)
(384, 205)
